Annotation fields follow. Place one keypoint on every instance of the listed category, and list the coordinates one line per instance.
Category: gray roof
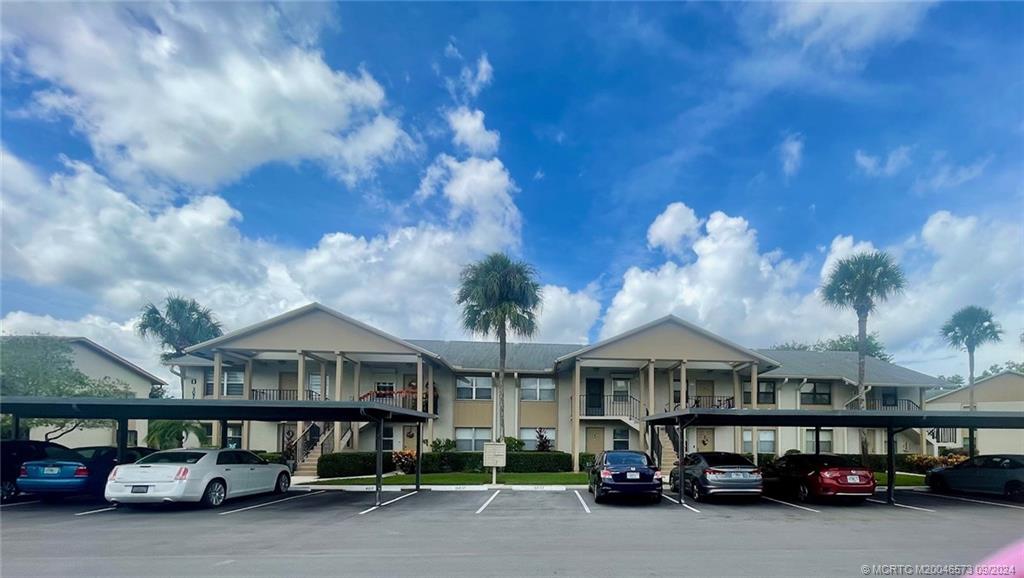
(843, 365)
(484, 354)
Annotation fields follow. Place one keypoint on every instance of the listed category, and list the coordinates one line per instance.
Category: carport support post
(680, 451)
(223, 441)
(380, 458)
(890, 470)
(16, 426)
(122, 438)
(817, 440)
(419, 452)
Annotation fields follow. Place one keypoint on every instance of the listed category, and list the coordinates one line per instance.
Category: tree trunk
(500, 389)
(972, 433)
(862, 344)
(64, 430)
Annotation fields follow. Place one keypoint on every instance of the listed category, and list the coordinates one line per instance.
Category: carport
(892, 421)
(121, 410)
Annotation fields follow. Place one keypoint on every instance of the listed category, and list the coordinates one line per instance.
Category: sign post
(494, 458)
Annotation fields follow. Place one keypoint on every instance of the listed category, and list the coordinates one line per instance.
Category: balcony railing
(403, 398)
(892, 405)
(283, 395)
(614, 405)
(707, 401)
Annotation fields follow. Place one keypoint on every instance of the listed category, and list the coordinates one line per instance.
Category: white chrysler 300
(209, 476)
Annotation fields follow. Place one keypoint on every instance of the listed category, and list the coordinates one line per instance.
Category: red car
(810, 476)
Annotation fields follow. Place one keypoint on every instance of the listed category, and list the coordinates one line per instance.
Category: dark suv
(13, 453)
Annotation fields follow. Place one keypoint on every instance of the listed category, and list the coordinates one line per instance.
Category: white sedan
(209, 476)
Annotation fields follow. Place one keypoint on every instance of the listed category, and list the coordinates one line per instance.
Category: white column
(737, 402)
(356, 384)
(300, 394)
(682, 384)
(339, 382)
(247, 383)
(753, 404)
(419, 384)
(430, 401)
(323, 382)
(218, 373)
(574, 409)
(650, 405)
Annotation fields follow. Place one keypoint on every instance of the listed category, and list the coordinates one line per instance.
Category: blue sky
(261, 156)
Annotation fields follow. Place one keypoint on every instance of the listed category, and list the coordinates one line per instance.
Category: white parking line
(791, 505)
(873, 501)
(19, 504)
(582, 503)
(96, 511)
(402, 497)
(685, 505)
(270, 503)
(970, 500)
(489, 500)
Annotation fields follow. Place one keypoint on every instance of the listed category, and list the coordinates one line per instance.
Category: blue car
(624, 472)
(65, 472)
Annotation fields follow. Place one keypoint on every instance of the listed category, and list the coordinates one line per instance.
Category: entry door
(409, 438)
(705, 440)
(595, 396)
(595, 440)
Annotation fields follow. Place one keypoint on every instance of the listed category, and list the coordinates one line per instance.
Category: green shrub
(444, 462)
(514, 444)
(273, 457)
(442, 445)
(586, 460)
(340, 465)
(538, 462)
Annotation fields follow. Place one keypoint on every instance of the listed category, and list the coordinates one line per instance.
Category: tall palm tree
(860, 282)
(499, 296)
(967, 329)
(168, 433)
(182, 323)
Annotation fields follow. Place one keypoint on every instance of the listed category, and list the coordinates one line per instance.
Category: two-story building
(583, 398)
(1000, 392)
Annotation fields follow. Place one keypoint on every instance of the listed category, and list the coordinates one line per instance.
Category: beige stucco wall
(534, 414)
(472, 414)
(316, 331)
(1008, 387)
(669, 341)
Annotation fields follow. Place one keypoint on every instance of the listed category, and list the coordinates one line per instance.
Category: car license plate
(140, 489)
(737, 475)
(853, 479)
(51, 471)
(632, 475)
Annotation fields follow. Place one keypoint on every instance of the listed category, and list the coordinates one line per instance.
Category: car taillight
(606, 473)
(756, 472)
(713, 472)
(830, 473)
(113, 475)
(657, 474)
(23, 472)
(81, 472)
(181, 475)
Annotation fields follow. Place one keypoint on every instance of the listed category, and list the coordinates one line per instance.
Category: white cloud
(946, 175)
(452, 51)
(791, 153)
(873, 166)
(538, 175)
(672, 228)
(201, 93)
(843, 246)
(566, 316)
(476, 80)
(470, 132)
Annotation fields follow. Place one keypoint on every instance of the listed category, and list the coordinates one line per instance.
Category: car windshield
(172, 458)
(90, 453)
(625, 459)
(64, 454)
(727, 460)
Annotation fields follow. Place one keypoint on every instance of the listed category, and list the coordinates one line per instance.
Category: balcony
(283, 395)
(404, 398)
(707, 401)
(892, 405)
(614, 405)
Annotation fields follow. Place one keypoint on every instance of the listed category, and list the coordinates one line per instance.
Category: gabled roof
(977, 383)
(483, 355)
(296, 313)
(768, 361)
(103, 351)
(842, 365)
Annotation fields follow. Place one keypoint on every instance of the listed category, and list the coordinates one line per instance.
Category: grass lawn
(468, 478)
(901, 479)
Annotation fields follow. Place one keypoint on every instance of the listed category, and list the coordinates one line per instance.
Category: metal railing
(943, 435)
(307, 440)
(894, 405)
(614, 405)
(327, 439)
(403, 398)
(673, 435)
(283, 395)
(706, 401)
(656, 448)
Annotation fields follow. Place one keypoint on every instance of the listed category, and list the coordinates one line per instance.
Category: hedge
(444, 462)
(586, 460)
(346, 464)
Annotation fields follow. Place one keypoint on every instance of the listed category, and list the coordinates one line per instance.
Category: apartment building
(584, 398)
(1000, 392)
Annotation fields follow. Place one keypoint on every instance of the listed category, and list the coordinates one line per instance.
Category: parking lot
(506, 532)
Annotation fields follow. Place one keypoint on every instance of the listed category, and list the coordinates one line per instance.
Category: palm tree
(168, 433)
(860, 282)
(966, 330)
(182, 323)
(499, 296)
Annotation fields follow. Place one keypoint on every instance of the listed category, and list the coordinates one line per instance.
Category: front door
(595, 396)
(705, 440)
(595, 440)
(409, 438)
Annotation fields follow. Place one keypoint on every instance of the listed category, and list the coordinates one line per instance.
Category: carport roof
(840, 418)
(207, 409)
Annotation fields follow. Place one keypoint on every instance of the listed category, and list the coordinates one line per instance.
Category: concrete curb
(443, 488)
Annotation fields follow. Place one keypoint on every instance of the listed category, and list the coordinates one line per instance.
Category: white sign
(494, 454)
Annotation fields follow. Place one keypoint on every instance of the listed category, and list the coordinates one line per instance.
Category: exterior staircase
(668, 453)
(308, 466)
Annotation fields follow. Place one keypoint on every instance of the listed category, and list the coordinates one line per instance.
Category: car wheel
(1015, 491)
(9, 489)
(598, 496)
(215, 494)
(283, 481)
(803, 493)
(695, 492)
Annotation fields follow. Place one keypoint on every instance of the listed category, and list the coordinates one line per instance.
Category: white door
(263, 476)
(235, 472)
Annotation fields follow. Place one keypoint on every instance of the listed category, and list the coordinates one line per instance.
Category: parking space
(527, 531)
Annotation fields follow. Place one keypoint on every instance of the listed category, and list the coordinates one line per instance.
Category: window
(627, 459)
(537, 389)
(208, 430)
(234, 435)
(313, 382)
(766, 392)
(233, 382)
(620, 388)
(746, 392)
(620, 438)
(473, 388)
(824, 438)
(889, 399)
(748, 444)
(529, 436)
(388, 441)
(471, 439)
(677, 392)
(816, 394)
(383, 386)
(228, 458)
(766, 441)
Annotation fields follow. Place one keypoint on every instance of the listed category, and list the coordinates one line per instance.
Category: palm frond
(971, 327)
(861, 281)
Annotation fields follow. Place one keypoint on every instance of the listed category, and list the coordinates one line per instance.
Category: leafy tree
(543, 441)
(860, 282)
(43, 365)
(168, 433)
(997, 368)
(953, 380)
(182, 324)
(157, 391)
(849, 342)
(499, 296)
(791, 346)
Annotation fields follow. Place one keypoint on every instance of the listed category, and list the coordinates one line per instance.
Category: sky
(709, 160)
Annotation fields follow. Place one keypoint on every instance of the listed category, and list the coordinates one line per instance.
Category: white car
(209, 476)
